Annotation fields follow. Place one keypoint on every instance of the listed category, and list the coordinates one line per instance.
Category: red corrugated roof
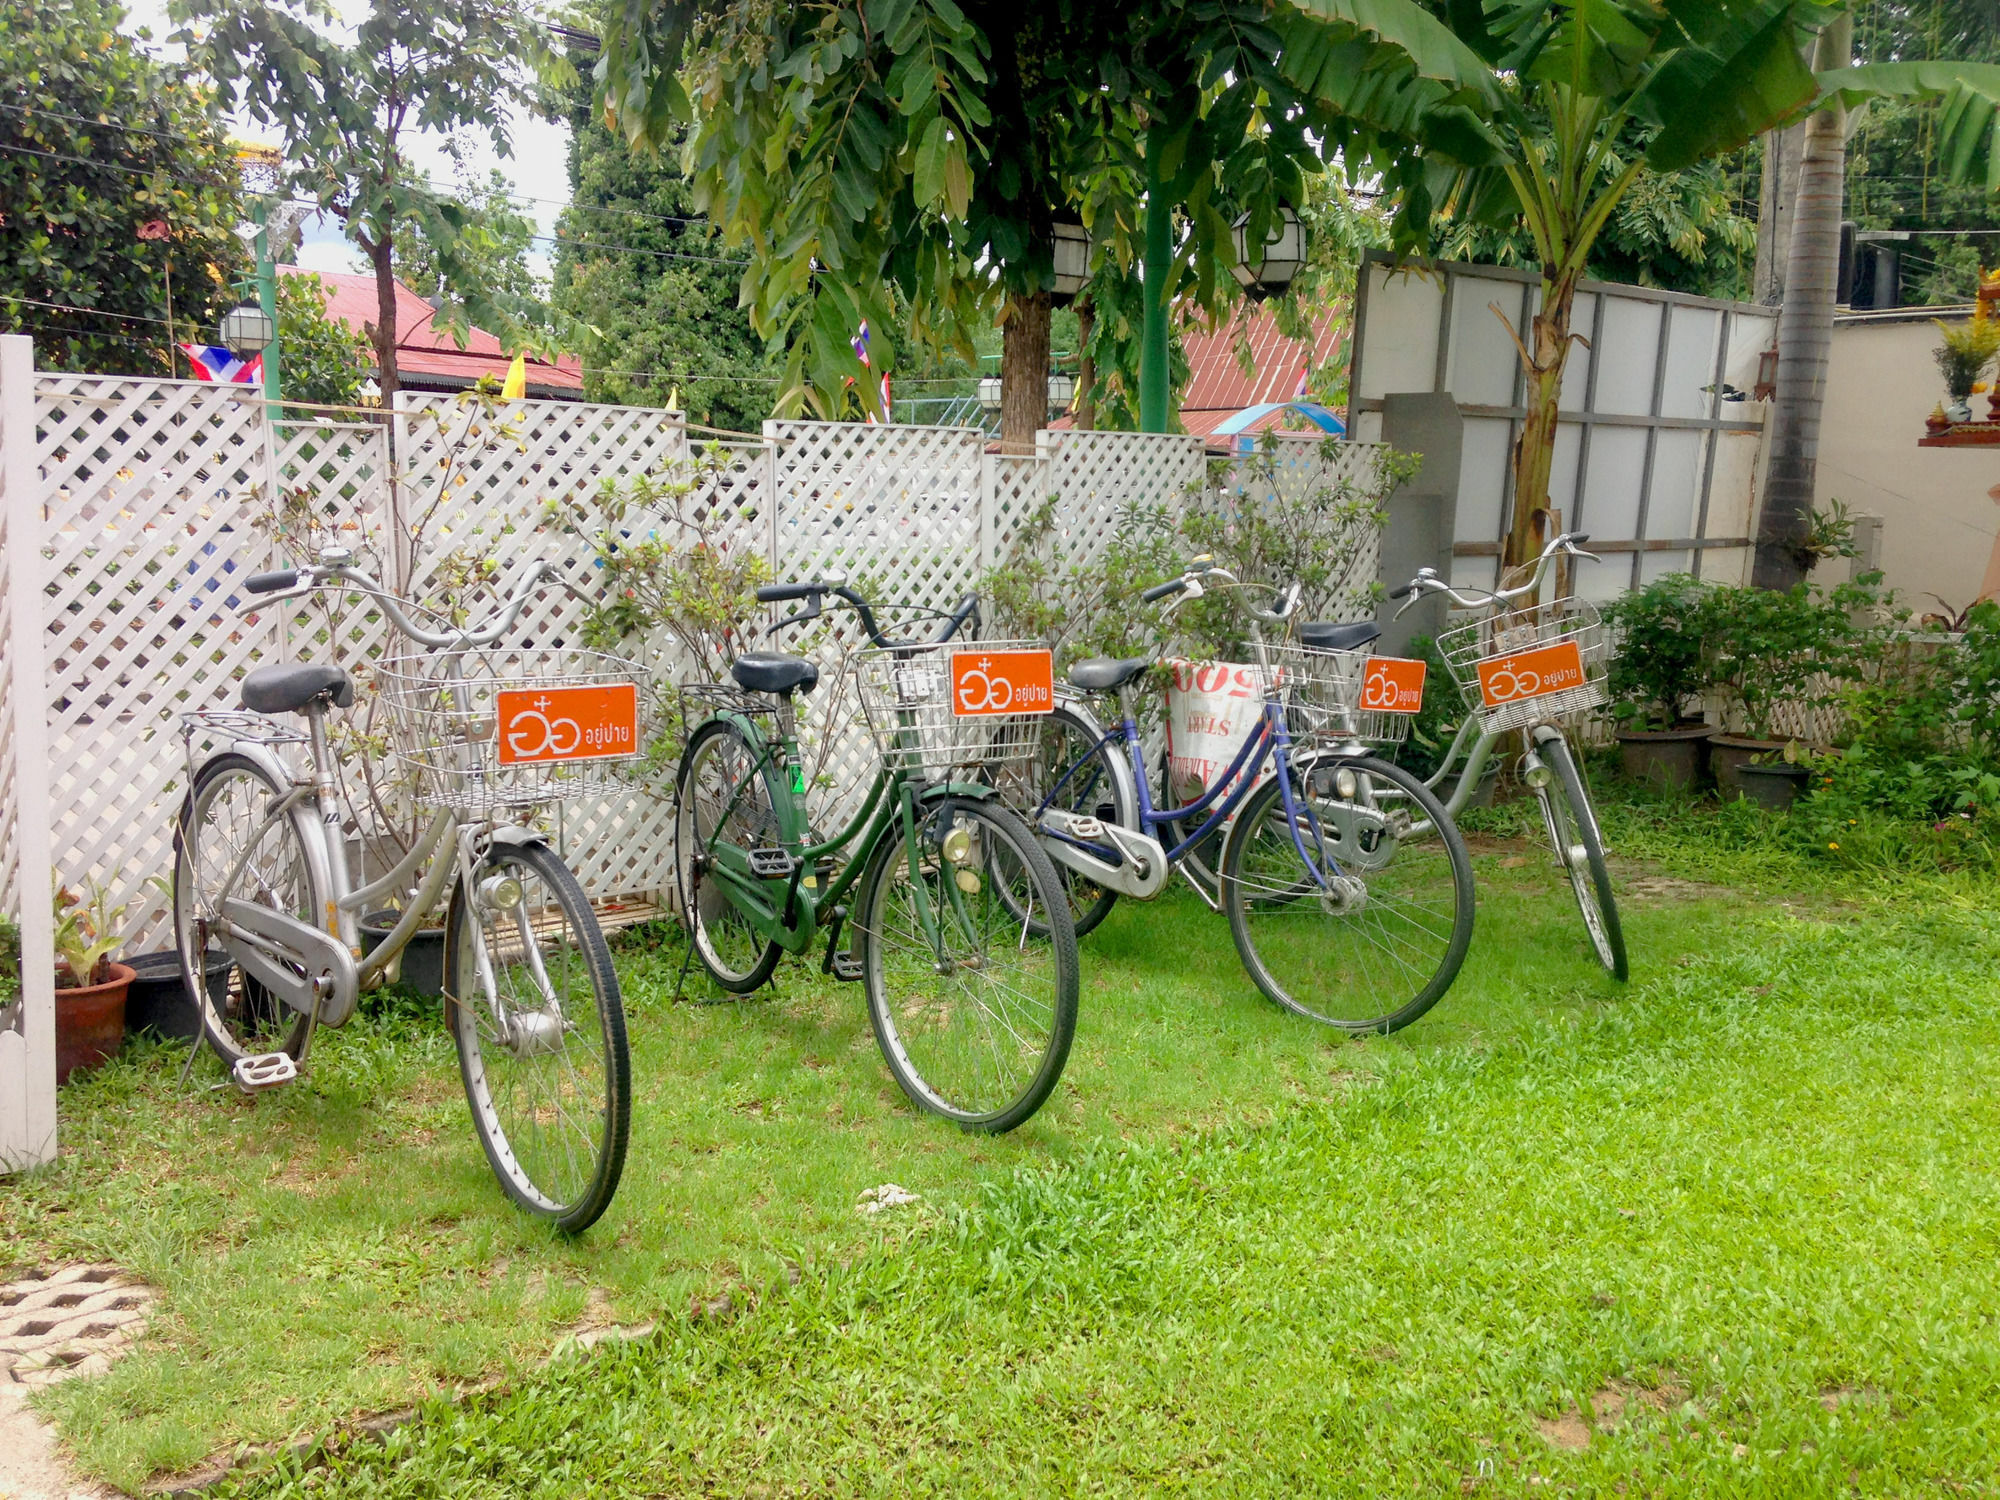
(427, 355)
(1218, 388)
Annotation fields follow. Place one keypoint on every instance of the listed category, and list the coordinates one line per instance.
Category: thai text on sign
(552, 724)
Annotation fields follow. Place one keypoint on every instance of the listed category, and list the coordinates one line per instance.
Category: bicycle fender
(964, 790)
(518, 838)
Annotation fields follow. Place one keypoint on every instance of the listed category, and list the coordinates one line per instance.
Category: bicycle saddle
(774, 672)
(291, 685)
(1323, 635)
(1098, 674)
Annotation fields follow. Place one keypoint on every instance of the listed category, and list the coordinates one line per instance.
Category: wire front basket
(1517, 668)
(906, 696)
(570, 717)
(1324, 692)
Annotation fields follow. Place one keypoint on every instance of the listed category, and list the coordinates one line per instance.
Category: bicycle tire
(732, 952)
(1397, 918)
(249, 1020)
(1013, 1044)
(1100, 791)
(1566, 809)
(575, 1079)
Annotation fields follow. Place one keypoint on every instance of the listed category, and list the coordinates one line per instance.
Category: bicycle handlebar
(817, 590)
(335, 571)
(1428, 582)
(1204, 571)
(271, 583)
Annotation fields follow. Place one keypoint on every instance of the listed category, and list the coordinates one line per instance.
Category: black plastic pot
(1482, 795)
(1665, 758)
(1729, 755)
(1774, 786)
(158, 1002)
(422, 961)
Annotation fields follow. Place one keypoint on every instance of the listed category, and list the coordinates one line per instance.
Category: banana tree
(1578, 85)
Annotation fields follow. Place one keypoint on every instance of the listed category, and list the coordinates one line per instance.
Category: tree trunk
(382, 332)
(1777, 199)
(1156, 394)
(1543, 359)
(1805, 331)
(1086, 367)
(1024, 370)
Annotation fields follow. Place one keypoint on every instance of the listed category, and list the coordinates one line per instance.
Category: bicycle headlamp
(1535, 773)
(500, 893)
(1345, 784)
(958, 846)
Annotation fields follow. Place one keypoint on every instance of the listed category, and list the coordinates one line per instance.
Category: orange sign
(1002, 682)
(1530, 674)
(1394, 685)
(553, 724)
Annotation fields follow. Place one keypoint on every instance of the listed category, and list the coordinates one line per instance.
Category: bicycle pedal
(845, 967)
(772, 864)
(267, 1070)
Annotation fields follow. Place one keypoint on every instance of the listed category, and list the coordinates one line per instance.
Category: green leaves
(1745, 77)
(1430, 46)
(943, 175)
(1968, 126)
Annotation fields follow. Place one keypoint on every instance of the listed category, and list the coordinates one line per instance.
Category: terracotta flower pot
(1666, 758)
(90, 1023)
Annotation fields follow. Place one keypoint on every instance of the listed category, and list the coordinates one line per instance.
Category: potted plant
(1769, 650)
(1659, 672)
(1775, 778)
(90, 988)
(1967, 350)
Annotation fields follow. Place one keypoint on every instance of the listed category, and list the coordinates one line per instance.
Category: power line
(513, 197)
(714, 260)
(96, 312)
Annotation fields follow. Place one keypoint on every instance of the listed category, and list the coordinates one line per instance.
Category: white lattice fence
(159, 496)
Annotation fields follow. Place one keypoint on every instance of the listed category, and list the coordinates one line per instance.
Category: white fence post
(27, 1056)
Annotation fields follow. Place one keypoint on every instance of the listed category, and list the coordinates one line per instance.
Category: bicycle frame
(1271, 740)
(794, 922)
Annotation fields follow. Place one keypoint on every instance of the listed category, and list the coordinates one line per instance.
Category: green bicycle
(959, 927)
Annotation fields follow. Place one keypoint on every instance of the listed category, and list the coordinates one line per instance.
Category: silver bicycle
(1523, 669)
(482, 737)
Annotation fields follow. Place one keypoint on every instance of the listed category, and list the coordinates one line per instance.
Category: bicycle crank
(1142, 866)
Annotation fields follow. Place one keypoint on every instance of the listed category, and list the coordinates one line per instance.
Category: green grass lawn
(1729, 1229)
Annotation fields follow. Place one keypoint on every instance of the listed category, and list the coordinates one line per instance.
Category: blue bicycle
(1347, 886)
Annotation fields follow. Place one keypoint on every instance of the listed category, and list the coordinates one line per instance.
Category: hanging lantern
(989, 393)
(1072, 261)
(1062, 389)
(1283, 254)
(248, 329)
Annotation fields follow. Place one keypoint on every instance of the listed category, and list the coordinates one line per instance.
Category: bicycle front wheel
(1572, 824)
(972, 989)
(226, 825)
(1352, 906)
(533, 1003)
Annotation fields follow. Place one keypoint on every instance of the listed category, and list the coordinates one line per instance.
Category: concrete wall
(1938, 519)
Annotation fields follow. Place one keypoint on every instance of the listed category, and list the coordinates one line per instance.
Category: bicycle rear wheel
(225, 825)
(1353, 907)
(540, 1027)
(723, 796)
(1579, 847)
(1093, 784)
(1201, 865)
(971, 991)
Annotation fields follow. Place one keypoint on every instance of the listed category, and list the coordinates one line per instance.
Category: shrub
(1663, 663)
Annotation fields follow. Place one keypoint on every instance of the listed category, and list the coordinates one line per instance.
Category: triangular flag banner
(213, 362)
(516, 388)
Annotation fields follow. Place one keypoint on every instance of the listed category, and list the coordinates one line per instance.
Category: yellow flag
(516, 387)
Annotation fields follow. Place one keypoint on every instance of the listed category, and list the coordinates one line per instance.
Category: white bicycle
(261, 877)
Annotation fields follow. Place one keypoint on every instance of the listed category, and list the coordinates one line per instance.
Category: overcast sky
(538, 168)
